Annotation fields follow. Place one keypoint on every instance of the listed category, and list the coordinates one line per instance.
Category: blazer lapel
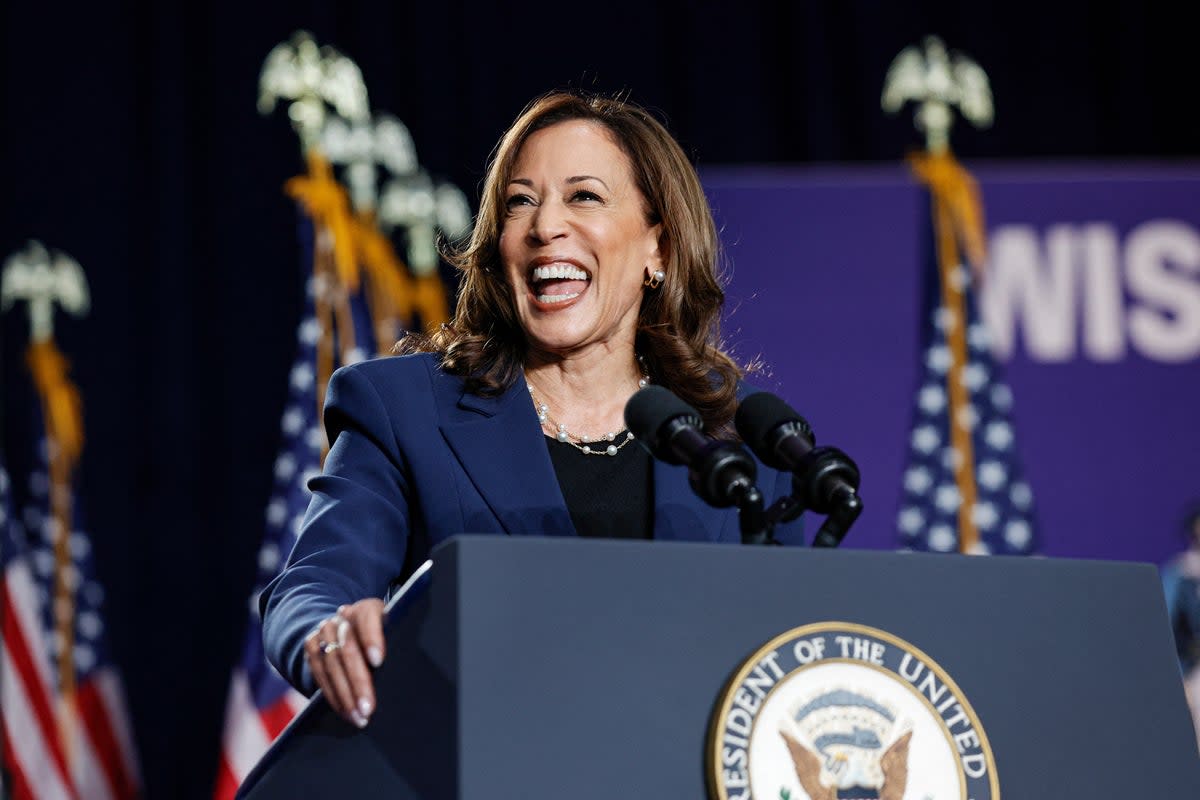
(679, 514)
(501, 447)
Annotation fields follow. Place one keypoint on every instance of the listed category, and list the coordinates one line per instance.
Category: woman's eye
(584, 194)
(516, 200)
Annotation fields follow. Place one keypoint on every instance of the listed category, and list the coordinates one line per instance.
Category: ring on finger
(329, 647)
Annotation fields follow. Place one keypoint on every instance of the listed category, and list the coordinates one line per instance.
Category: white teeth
(559, 271)
(557, 298)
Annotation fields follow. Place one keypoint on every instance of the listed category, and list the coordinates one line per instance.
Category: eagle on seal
(893, 763)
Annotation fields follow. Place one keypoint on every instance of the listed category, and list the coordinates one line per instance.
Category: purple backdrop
(1092, 295)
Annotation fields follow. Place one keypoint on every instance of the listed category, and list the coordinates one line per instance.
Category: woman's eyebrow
(582, 178)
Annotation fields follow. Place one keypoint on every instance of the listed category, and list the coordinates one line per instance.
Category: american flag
(260, 702)
(64, 736)
(964, 488)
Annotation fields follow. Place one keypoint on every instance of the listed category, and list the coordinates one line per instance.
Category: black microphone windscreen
(649, 409)
(757, 418)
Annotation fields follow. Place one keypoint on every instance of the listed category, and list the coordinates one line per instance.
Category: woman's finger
(324, 658)
(358, 676)
(314, 651)
(337, 664)
(368, 624)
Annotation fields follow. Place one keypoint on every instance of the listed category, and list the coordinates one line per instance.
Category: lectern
(561, 669)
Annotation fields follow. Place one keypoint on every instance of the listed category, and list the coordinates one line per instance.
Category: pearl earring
(655, 280)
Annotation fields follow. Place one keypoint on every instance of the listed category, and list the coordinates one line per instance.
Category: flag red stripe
(276, 716)
(14, 642)
(96, 720)
(227, 782)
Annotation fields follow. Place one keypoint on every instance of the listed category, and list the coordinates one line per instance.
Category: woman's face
(575, 242)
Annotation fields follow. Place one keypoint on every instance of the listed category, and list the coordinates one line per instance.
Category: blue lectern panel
(555, 668)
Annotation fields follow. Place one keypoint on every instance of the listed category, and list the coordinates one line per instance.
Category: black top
(608, 496)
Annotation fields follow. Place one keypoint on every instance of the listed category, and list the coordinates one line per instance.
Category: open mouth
(558, 283)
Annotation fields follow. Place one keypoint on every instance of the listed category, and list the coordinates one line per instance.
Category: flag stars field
(309, 331)
(926, 439)
(938, 359)
(992, 475)
(293, 421)
(917, 479)
(975, 376)
(947, 498)
(999, 435)
(276, 512)
(302, 376)
(911, 520)
(942, 538)
(932, 398)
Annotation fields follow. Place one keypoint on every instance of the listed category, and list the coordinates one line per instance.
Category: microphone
(722, 473)
(824, 478)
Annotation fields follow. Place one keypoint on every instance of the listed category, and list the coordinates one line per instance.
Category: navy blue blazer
(416, 459)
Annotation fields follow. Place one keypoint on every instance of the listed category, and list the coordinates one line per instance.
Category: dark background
(129, 139)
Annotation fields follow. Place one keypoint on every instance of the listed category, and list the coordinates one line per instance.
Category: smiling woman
(577, 244)
(591, 272)
(614, 163)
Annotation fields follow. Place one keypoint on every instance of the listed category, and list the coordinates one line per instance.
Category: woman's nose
(548, 223)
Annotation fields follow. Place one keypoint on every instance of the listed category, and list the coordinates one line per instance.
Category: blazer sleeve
(353, 537)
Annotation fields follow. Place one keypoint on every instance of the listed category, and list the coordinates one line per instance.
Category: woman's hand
(338, 652)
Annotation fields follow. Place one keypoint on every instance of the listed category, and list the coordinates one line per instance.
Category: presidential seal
(836, 710)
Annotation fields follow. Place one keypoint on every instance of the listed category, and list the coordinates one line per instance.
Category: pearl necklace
(563, 435)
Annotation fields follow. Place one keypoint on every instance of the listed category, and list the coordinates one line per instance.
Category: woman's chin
(572, 325)
(560, 334)
(558, 341)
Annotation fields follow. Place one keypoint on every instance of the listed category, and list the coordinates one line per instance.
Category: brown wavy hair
(678, 333)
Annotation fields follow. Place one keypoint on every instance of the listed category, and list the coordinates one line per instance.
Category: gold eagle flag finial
(938, 81)
(42, 280)
(312, 80)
